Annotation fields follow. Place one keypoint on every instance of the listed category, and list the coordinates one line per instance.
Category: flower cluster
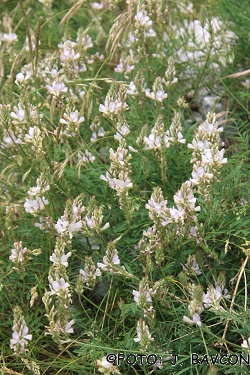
(157, 94)
(20, 334)
(207, 159)
(143, 299)
(151, 243)
(200, 300)
(19, 131)
(90, 272)
(106, 367)
(126, 64)
(137, 86)
(72, 121)
(174, 133)
(97, 129)
(36, 202)
(73, 55)
(143, 335)
(94, 216)
(111, 262)
(157, 139)
(20, 256)
(195, 306)
(71, 221)
(114, 102)
(170, 73)
(199, 37)
(191, 267)
(119, 173)
(58, 300)
(142, 25)
(214, 296)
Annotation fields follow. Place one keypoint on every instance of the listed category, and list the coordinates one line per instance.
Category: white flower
(86, 42)
(41, 187)
(122, 132)
(193, 231)
(11, 140)
(17, 254)
(143, 20)
(111, 107)
(64, 259)
(156, 206)
(132, 90)
(20, 77)
(68, 328)
(86, 274)
(196, 319)
(69, 54)
(158, 96)
(9, 38)
(20, 337)
(72, 117)
(19, 113)
(34, 132)
(143, 332)
(61, 284)
(122, 184)
(56, 88)
(96, 6)
(191, 267)
(246, 343)
(153, 141)
(137, 295)
(75, 226)
(61, 226)
(147, 292)
(106, 367)
(86, 158)
(214, 296)
(32, 206)
(20, 333)
(108, 263)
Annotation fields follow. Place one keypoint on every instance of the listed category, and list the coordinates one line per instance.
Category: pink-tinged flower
(246, 343)
(57, 88)
(68, 54)
(121, 184)
(153, 141)
(34, 132)
(20, 77)
(63, 260)
(111, 107)
(61, 226)
(156, 206)
(196, 319)
(20, 333)
(21, 337)
(68, 328)
(59, 285)
(96, 6)
(72, 117)
(109, 263)
(9, 38)
(33, 206)
(19, 113)
(143, 20)
(158, 96)
(18, 253)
